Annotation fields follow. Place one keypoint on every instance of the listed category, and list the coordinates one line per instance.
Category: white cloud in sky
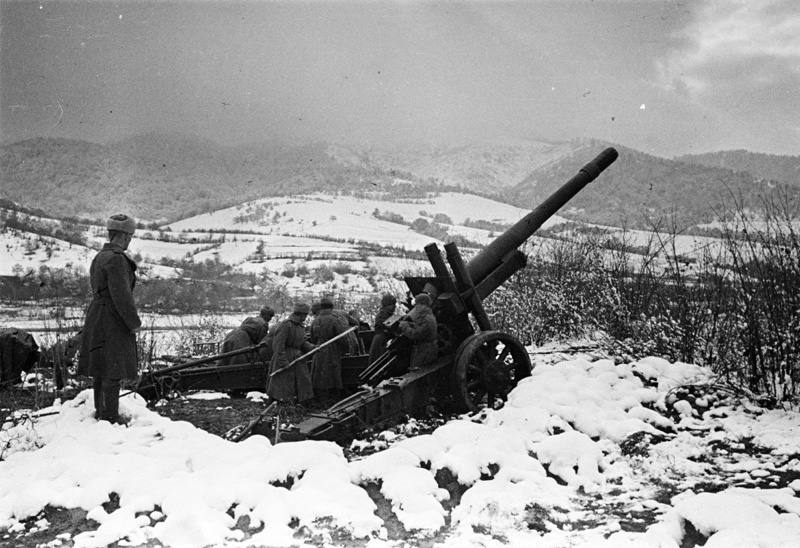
(739, 63)
(754, 42)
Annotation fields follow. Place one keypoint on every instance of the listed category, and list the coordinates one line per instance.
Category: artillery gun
(206, 373)
(476, 365)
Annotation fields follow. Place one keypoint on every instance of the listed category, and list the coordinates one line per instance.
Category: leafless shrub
(737, 309)
(764, 251)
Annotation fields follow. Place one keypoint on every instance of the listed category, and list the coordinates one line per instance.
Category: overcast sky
(661, 76)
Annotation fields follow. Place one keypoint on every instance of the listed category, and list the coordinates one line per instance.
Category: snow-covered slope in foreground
(556, 467)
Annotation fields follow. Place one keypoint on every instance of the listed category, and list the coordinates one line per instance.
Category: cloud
(740, 62)
(754, 43)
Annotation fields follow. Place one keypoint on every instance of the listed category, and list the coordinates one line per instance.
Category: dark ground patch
(216, 416)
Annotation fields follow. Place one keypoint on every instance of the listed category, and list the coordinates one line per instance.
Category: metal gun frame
(474, 368)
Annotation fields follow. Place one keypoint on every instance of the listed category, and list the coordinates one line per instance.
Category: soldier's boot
(109, 410)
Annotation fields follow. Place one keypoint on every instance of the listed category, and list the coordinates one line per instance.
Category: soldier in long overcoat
(108, 348)
(326, 369)
(421, 330)
(382, 335)
(347, 322)
(289, 343)
(252, 331)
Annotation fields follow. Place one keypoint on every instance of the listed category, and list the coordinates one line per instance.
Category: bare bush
(736, 310)
(764, 250)
(557, 296)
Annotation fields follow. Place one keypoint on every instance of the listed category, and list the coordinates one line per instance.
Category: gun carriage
(476, 366)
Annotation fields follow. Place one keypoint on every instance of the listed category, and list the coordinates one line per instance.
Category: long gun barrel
(207, 359)
(493, 255)
(149, 378)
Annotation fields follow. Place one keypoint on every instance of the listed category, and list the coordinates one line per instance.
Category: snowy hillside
(268, 233)
(23, 252)
(350, 218)
(268, 236)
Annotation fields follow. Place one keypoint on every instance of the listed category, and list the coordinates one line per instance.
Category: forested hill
(160, 177)
(163, 178)
(640, 189)
(785, 169)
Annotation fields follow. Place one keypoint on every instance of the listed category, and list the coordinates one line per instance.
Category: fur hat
(267, 312)
(301, 308)
(326, 302)
(315, 307)
(423, 298)
(121, 223)
(388, 300)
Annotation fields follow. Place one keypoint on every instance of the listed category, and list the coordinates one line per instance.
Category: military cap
(388, 300)
(121, 223)
(301, 308)
(423, 298)
(315, 307)
(326, 302)
(267, 312)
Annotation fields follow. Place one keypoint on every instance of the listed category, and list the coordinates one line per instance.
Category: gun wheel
(488, 365)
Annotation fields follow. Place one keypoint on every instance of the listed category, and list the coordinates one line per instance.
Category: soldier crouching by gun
(419, 327)
(383, 333)
(251, 332)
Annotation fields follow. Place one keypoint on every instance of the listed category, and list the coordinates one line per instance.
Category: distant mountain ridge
(166, 177)
(488, 168)
(785, 169)
(158, 177)
(640, 190)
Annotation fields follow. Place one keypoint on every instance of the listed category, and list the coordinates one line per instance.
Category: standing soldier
(382, 335)
(326, 371)
(108, 348)
(347, 321)
(420, 328)
(288, 344)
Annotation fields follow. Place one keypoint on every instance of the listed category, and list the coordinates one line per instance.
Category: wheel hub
(497, 376)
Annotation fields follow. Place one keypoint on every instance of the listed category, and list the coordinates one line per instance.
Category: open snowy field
(312, 214)
(31, 252)
(273, 232)
(585, 453)
(292, 227)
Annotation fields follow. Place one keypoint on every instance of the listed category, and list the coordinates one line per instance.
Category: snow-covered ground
(21, 254)
(316, 214)
(274, 232)
(284, 228)
(14, 251)
(586, 453)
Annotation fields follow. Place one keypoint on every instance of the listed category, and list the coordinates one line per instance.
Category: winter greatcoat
(251, 331)
(108, 348)
(382, 336)
(347, 322)
(289, 343)
(326, 369)
(422, 331)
